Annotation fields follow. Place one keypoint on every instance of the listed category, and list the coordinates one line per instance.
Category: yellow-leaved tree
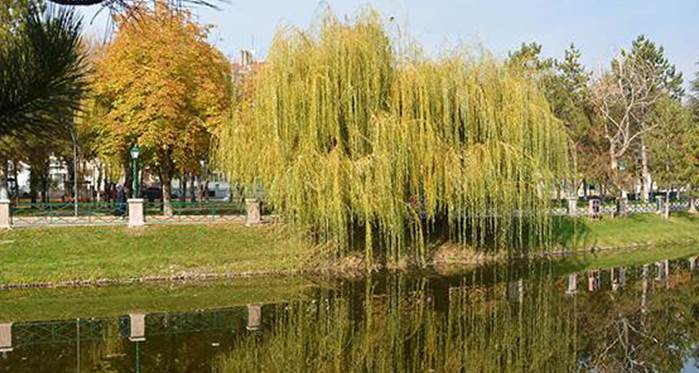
(161, 85)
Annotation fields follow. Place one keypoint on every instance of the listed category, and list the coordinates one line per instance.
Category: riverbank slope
(64, 256)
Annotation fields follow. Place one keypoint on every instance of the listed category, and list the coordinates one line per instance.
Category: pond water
(492, 319)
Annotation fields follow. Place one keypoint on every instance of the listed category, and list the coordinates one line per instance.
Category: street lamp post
(204, 184)
(134, 156)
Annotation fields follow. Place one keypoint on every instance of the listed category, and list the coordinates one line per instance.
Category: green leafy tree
(565, 84)
(161, 85)
(670, 145)
(694, 100)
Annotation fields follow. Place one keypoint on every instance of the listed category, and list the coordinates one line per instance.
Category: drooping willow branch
(359, 144)
(123, 4)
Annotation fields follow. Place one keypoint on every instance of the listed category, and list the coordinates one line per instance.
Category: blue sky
(599, 28)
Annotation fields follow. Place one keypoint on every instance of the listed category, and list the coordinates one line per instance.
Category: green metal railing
(156, 212)
(67, 213)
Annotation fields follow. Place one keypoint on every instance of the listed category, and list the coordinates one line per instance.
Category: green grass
(68, 303)
(92, 253)
(635, 230)
(47, 255)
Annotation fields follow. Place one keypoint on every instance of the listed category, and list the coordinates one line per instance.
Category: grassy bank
(117, 253)
(90, 254)
(635, 230)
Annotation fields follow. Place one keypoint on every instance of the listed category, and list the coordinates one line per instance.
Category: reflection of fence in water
(101, 329)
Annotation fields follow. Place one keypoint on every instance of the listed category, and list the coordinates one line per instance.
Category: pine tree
(667, 78)
(575, 77)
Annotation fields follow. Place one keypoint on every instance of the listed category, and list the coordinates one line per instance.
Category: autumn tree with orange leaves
(162, 86)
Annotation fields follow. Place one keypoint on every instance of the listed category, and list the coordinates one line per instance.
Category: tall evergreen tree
(665, 74)
(694, 100)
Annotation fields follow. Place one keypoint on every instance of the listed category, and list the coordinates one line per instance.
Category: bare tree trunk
(647, 185)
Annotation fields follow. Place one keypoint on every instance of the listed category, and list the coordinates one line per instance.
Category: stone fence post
(5, 221)
(572, 206)
(136, 216)
(663, 207)
(254, 216)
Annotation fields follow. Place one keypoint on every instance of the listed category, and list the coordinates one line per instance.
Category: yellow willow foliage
(359, 145)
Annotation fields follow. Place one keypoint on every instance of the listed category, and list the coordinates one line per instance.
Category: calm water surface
(525, 318)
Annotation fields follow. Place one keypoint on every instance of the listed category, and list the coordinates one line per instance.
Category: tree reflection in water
(493, 320)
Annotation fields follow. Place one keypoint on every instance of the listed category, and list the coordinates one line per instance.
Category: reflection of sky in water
(517, 314)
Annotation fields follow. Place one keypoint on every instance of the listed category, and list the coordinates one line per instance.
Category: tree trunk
(128, 177)
(45, 183)
(167, 205)
(4, 194)
(15, 174)
(203, 189)
(183, 188)
(647, 184)
(166, 181)
(193, 189)
(33, 183)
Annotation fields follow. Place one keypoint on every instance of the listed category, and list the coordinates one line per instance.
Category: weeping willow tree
(360, 145)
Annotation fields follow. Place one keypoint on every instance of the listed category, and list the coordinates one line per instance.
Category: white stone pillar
(6, 337)
(137, 327)
(5, 220)
(573, 206)
(692, 263)
(136, 216)
(254, 317)
(254, 216)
